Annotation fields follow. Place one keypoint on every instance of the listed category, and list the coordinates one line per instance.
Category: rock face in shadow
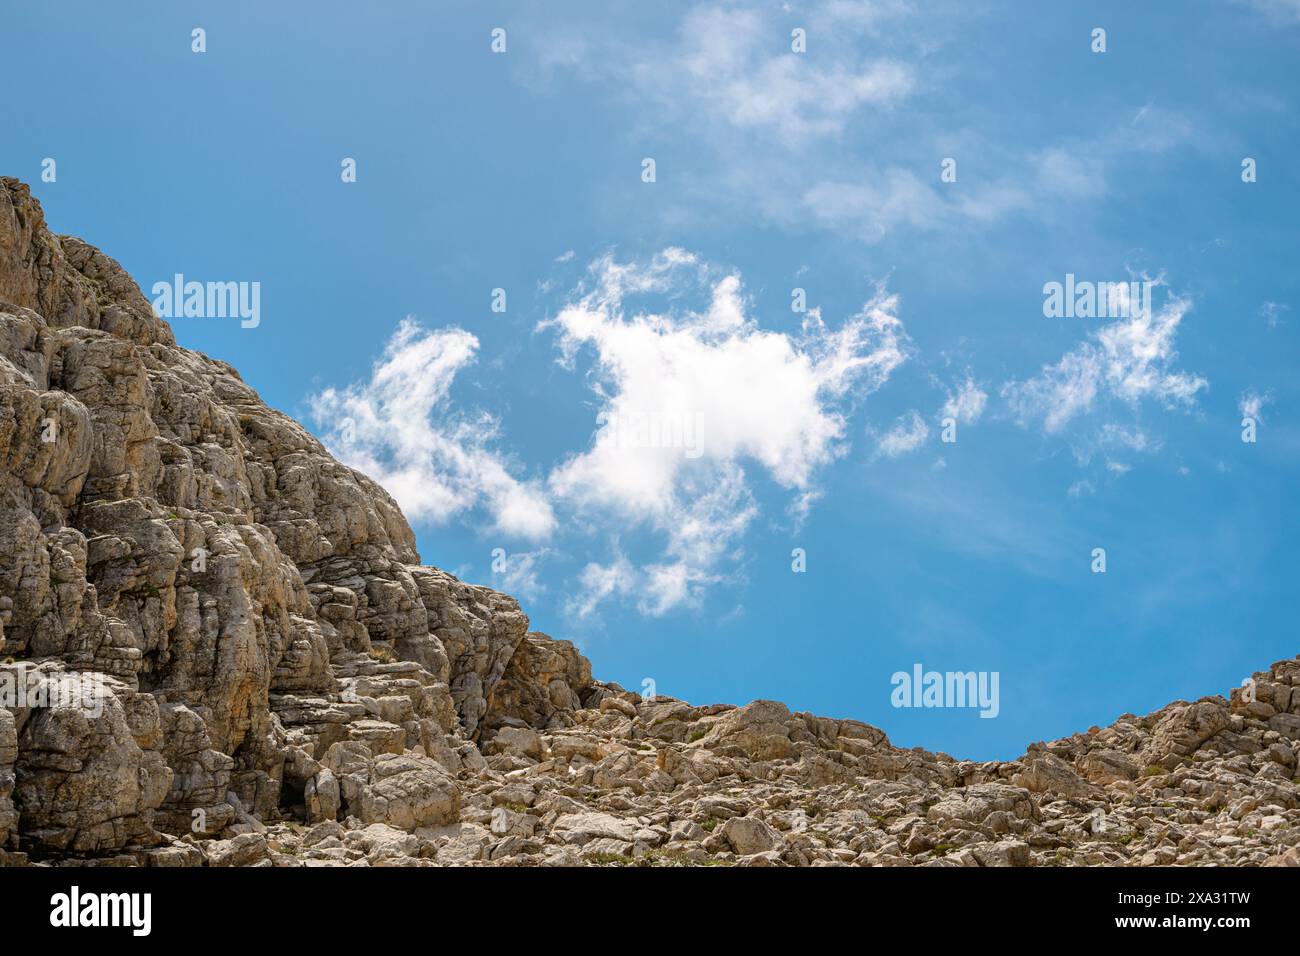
(218, 646)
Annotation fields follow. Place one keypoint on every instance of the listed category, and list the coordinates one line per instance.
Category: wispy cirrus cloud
(1037, 182)
(966, 405)
(520, 572)
(794, 137)
(1271, 313)
(1131, 359)
(1252, 402)
(908, 434)
(733, 66)
(402, 429)
(726, 60)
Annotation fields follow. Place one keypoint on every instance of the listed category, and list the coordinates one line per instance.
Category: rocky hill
(218, 647)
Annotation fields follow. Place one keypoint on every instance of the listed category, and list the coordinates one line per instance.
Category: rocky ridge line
(283, 683)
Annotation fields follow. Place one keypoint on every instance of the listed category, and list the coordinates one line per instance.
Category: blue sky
(819, 430)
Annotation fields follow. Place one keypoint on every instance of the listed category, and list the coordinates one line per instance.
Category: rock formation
(218, 647)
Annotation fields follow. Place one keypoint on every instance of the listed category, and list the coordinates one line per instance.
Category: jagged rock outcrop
(218, 647)
(86, 769)
(160, 526)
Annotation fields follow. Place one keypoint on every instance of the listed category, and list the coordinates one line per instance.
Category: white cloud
(759, 117)
(800, 507)
(401, 429)
(1272, 313)
(1073, 172)
(1111, 442)
(711, 513)
(908, 434)
(1252, 403)
(873, 208)
(900, 197)
(1125, 436)
(690, 401)
(732, 64)
(600, 581)
(967, 405)
(1060, 392)
(521, 575)
(1131, 359)
(690, 398)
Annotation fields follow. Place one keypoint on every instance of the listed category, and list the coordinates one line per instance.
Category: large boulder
(405, 791)
(758, 731)
(1182, 730)
(87, 778)
(1053, 777)
(749, 835)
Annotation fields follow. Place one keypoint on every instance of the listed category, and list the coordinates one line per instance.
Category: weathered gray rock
(1178, 734)
(758, 731)
(750, 835)
(582, 828)
(86, 776)
(1048, 774)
